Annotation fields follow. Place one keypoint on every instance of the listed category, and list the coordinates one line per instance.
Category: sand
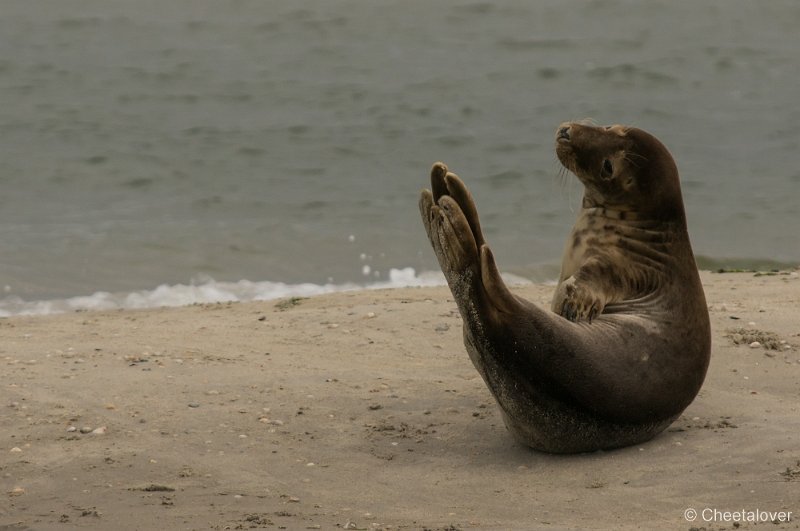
(361, 410)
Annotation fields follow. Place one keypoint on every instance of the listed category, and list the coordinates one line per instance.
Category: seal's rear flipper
(446, 183)
(425, 204)
(438, 186)
(455, 236)
(451, 221)
(451, 237)
(496, 290)
(459, 192)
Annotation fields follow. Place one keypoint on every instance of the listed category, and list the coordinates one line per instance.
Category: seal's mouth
(563, 134)
(564, 147)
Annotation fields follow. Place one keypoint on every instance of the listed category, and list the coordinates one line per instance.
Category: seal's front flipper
(577, 301)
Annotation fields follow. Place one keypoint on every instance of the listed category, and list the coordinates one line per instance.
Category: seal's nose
(563, 133)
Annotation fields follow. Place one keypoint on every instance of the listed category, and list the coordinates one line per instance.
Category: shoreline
(362, 409)
(206, 290)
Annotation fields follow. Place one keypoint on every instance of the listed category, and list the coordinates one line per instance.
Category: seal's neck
(593, 209)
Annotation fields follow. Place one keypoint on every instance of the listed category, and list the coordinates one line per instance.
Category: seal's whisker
(565, 183)
(571, 206)
(569, 183)
(560, 173)
(563, 175)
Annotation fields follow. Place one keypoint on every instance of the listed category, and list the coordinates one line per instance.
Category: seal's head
(623, 168)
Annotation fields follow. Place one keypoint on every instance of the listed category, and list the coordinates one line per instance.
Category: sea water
(159, 153)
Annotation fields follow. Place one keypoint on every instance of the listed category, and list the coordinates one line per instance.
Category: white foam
(206, 290)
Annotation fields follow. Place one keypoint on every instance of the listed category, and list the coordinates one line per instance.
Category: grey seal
(625, 347)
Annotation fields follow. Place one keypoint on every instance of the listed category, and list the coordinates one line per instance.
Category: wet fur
(626, 345)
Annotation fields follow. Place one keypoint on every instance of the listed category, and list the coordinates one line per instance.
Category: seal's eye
(608, 169)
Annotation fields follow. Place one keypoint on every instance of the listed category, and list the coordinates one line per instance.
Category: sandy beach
(361, 410)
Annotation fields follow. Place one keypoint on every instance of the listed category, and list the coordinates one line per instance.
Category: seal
(625, 347)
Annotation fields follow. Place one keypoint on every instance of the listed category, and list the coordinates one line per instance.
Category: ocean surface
(157, 153)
